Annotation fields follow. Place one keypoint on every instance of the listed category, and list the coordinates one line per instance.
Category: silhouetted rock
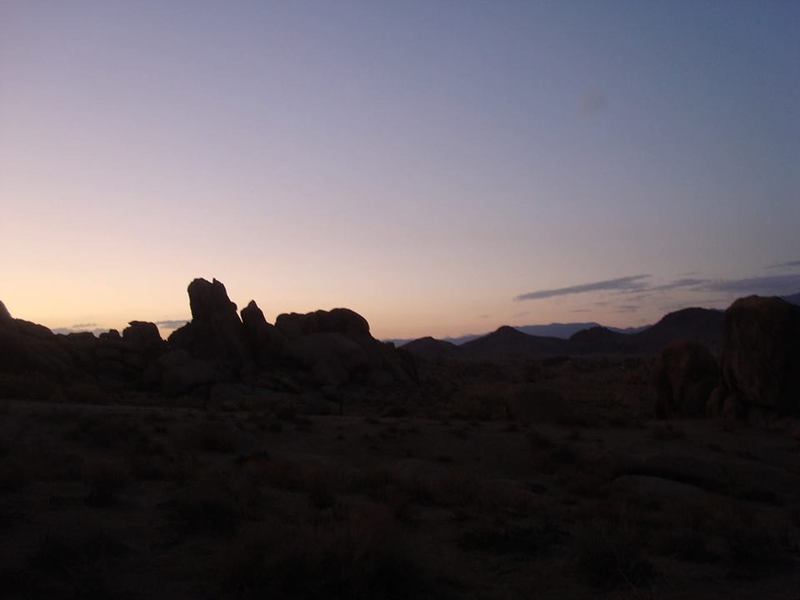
(336, 346)
(701, 325)
(112, 335)
(5, 316)
(332, 358)
(176, 372)
(338, 320)
(685, 375)
(761, 353)
(266, 341)
(215, 330)
(143, 337)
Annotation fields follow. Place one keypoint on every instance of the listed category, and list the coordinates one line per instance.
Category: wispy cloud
(171, 324)
(632, 282)
(786, 265)
(767, 285)
(626, 308)
(79, 326)
(687, 282)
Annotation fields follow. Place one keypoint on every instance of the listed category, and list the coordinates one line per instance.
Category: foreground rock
(761, 354)
(686, 373)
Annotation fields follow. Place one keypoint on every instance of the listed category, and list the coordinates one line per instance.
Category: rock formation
(215, 331)
(265, 341)
(143, 337)
(685, 375)
(761, 354)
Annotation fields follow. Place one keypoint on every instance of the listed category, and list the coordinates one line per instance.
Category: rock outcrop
(685, 375)
(337, 348)
(5, 316)
(338, 320)
(215, 331)
(142, 337)
(267, 343)
(761, 354)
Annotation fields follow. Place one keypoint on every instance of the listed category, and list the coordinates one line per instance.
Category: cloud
(171, 324)
(767, 285)
(786, 265)
(687, 282)
(632, 282)
(79, 326)
(625, 308)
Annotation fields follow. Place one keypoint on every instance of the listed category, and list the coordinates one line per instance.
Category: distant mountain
(703, 325)
(508, 341)
(556, 330)
(696, 324)
(431, 348)
(629, 329)
(793, 299)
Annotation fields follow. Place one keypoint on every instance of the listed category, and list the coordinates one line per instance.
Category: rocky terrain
(306, 459)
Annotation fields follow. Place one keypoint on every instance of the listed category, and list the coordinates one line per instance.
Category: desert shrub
(74, 564)
(534, 541)
(688, 544)
(607, 556)
(14, 476)
(106, 432)
(86, 393)
(205, 507)
(363, 558)
(321, 495)
(209, 436)
(28, 386)
(667, 433)
(750, 546)
(106, 480)
(539, 441)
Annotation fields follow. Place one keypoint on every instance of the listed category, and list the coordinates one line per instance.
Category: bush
(364, 558)
(607, 556)
(106, 480)
(206, 507)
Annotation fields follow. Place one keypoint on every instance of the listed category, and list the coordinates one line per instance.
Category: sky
(440, 167)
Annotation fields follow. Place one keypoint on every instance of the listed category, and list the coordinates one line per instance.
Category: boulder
(685, 375)
(332, 358)
(338, 320)
(337, 347)
(761, 353)
(178, 373)
(28, 347)
(112, 335)
(5, 316)
(142, 337)
(266, 342)
(215, 331)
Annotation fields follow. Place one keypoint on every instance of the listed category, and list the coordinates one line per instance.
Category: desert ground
(540, 478)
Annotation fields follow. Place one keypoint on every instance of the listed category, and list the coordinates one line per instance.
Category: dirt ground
(550, 482)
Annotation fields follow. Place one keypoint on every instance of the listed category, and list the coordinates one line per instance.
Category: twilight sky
(440, 167)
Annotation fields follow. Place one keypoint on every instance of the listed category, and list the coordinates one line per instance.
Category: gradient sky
(440, 167)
